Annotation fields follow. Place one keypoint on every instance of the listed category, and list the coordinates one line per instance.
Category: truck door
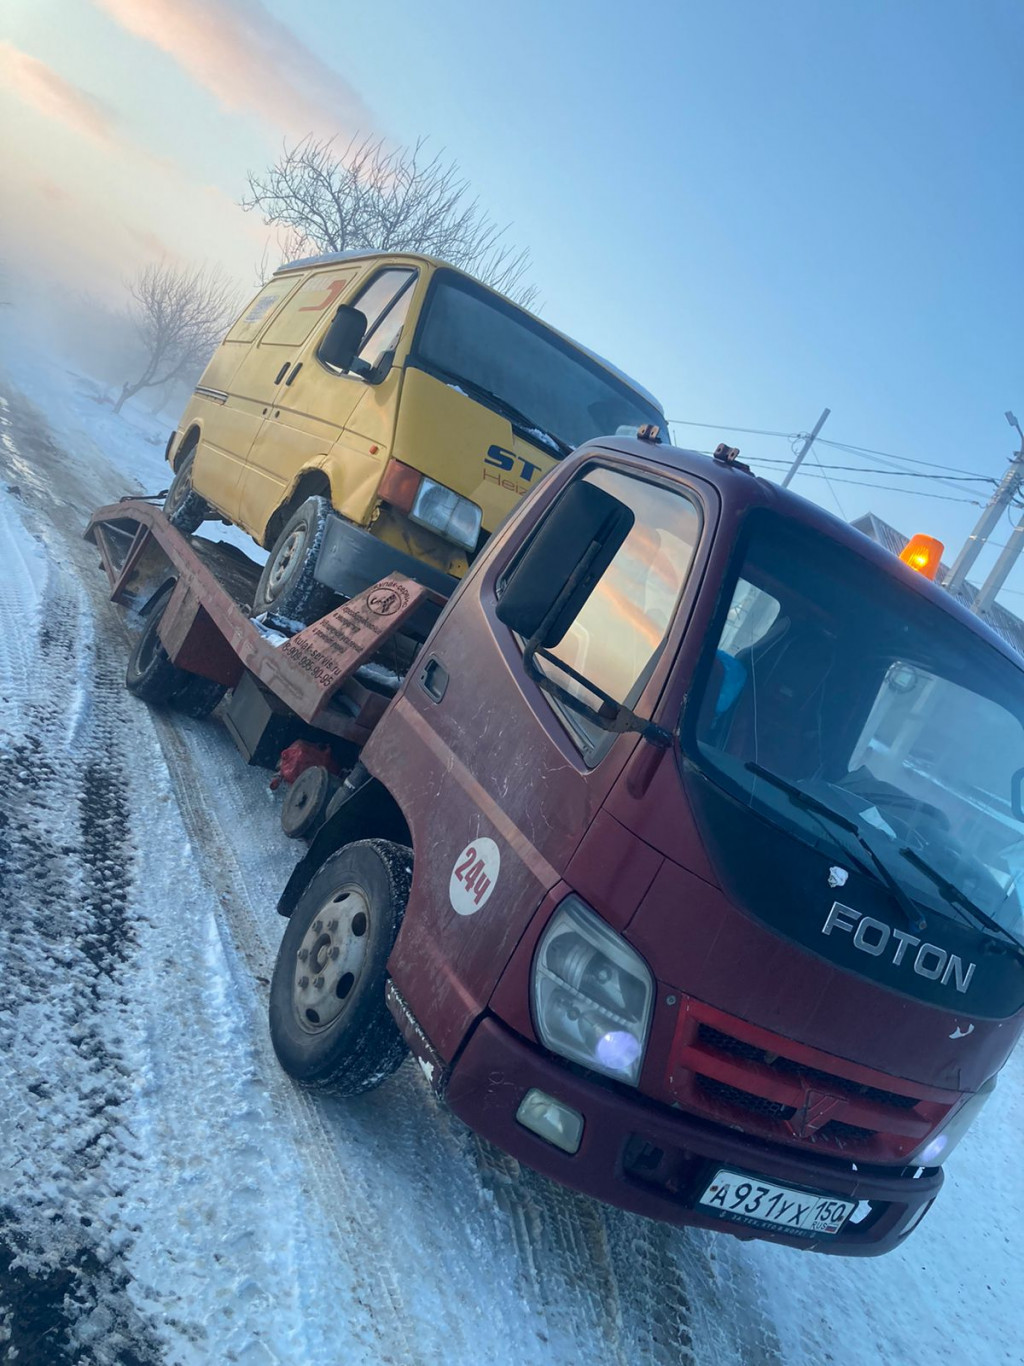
(498, 780)
(312, 404)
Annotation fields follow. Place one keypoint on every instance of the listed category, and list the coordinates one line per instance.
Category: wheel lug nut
(303, 955)
(332, 925)
(303, 983)
(318, 982)
(318, 925)
(335, 952)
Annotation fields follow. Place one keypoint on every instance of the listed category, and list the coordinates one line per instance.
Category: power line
(891, 488)
(849, 447)
(725, 427)
(902, 474)
(828, 481)
(888, 455)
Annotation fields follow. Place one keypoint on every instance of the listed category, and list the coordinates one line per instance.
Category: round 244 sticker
(474, 876)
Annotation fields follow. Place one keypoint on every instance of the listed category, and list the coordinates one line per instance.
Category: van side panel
(236, 386)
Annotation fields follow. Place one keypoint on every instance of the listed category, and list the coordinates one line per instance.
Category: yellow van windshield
(552, 393)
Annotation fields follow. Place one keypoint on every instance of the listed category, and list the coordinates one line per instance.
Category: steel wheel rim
(331, 960)
(284, 560)
(180, 487)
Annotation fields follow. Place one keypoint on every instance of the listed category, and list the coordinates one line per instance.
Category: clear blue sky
(757, 209)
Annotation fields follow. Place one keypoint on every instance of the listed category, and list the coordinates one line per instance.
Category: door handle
(434, 679)
(298, 367)
(282, 372)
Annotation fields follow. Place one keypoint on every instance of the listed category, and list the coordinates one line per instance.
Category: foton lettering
(876, 938)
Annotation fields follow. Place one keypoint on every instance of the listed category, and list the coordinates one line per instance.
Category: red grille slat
(737, 1073)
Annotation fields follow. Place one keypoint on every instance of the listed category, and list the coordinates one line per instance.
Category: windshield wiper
(952, 893)
(509, 410)
(796, 794)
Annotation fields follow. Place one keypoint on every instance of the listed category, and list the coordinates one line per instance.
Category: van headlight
(592, 994)
(940, 1145)
(443, 510)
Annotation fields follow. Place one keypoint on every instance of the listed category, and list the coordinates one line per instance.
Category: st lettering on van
(510, 470)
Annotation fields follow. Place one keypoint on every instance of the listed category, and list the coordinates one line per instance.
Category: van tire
(183, 507)
(339, 1036)
(287, 586)
(152, 678)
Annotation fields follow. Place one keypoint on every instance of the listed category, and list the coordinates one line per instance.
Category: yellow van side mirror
(339, 346)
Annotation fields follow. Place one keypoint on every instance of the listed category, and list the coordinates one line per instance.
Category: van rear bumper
(351, 560)
(656, 1162)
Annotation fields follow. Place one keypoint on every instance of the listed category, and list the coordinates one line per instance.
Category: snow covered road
(167, 1195)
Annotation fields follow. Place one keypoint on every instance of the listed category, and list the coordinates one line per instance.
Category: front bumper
(656, 1162)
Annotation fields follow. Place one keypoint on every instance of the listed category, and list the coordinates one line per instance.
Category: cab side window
(385, 301)
(618, 635)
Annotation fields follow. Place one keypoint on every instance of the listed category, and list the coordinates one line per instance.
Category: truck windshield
(845, 683)
(554, 394)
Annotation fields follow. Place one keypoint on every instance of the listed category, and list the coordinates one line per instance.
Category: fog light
(932, 1153)
(551, 1120)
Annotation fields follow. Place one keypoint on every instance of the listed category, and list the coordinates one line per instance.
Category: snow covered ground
(167, 1195)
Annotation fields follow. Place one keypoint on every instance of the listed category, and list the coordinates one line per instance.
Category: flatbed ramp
(206, 628)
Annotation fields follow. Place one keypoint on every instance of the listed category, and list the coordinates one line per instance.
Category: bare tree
(179, 316)
(374, 197)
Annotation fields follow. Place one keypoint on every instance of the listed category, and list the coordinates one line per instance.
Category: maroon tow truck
(683, 852)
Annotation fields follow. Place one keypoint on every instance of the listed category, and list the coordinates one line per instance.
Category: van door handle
(298, 367)
(282, 372)
(434, 679)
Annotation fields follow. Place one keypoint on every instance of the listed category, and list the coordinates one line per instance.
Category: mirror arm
(623, 719)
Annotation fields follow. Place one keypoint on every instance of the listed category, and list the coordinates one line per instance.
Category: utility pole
(987, 523)
(804, 449)
(1011, 551)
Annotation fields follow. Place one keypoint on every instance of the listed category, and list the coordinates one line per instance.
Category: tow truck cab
(715, 809)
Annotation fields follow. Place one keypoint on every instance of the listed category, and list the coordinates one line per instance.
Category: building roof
(1004, 623)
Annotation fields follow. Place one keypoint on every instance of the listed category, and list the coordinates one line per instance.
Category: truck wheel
(306, 800)
(183, 507)
(328, 1021)
(152, 677)
(287, 586)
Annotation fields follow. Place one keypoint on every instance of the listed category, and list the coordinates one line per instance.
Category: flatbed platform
(206, 627)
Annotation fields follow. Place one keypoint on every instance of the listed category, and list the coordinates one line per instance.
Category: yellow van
(373, 413)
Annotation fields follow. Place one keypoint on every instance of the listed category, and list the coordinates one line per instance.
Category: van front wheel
(287, 586)
(329, 1023)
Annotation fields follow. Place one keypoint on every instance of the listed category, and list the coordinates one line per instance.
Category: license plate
(752, 1201)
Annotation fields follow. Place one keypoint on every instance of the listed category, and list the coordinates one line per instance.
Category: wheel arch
(308, 483)
(370, 812)
(189, 442)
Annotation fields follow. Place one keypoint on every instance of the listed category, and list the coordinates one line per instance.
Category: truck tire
(151, 677)
(287, 586)
(183, 507)
(339, 1035)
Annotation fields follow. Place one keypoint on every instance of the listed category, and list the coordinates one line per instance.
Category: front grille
(845, 1133)
(738, 1048)
(744, 1100)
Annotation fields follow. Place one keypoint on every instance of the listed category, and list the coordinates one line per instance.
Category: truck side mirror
(560, 567)
(340, 344)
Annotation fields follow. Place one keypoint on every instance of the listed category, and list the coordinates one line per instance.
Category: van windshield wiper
(796, 794)
(952, 893)
(509, 410)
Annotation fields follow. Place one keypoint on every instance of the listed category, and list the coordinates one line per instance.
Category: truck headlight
(939, 1147)
(443, 510)
(592, 994)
